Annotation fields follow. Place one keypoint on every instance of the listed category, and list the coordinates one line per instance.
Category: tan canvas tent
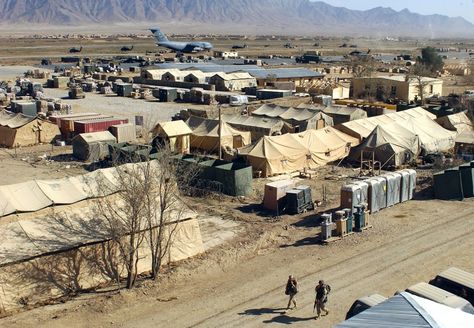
(297, 151)
(205, 135)
(458, 122)
(391, 145)
(300, 118)
(433, 137)
(174, 133)
(17, 130)
(39, 253)
(361, 128)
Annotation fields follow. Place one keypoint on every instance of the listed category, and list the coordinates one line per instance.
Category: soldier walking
(291, 290)
(322, 291)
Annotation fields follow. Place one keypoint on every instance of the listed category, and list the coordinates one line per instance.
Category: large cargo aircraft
(183, 47)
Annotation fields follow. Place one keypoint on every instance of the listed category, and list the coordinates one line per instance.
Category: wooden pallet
(366, 227)
(336, 238)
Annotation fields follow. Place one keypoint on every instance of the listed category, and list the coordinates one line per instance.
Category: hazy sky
(463, 8)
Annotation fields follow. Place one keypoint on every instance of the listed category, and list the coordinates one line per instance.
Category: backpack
(328, 289)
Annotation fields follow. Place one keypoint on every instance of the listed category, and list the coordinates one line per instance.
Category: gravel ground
(152, 111)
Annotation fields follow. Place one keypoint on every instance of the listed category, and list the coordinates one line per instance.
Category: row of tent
(406, 135)
(34, 195)
(395, 139)
(295, 151)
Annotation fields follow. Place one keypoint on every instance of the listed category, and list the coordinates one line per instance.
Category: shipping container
(275, 193)
(27, 108)
(66, 125)
(124, 90)
(124, 132)
(467, 177)
(57, 118)
(97, 125)
(263, 94)
(448, 184)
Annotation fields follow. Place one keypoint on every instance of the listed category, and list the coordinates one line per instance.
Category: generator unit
(299, 200)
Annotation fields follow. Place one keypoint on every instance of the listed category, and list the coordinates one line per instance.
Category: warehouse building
(397, 86)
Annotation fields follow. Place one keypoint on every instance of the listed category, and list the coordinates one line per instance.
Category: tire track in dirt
(431, 236)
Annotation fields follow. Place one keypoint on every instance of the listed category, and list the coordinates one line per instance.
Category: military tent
(343, 114)
(292, 152)
(361, 128)
(18, 130)
(205, 135)
(92, 146)
(391, 144)
(257, 126)
(433, 138)
(174, 133)
(459, 122)
(300, 119)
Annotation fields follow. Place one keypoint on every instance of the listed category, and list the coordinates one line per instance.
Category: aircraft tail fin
(160, 37)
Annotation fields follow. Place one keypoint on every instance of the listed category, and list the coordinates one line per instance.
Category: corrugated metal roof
(396, 312)
(409, 311)
(282, 73)
(254, 70)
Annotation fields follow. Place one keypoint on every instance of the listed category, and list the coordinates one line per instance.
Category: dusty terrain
(241, 284)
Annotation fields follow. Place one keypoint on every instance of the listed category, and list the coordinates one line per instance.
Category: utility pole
(220, 131)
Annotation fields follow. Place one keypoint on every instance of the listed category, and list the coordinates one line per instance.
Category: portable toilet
(412, 174)
(404, 186)
(377, 194)
(326, 226)
(350, 196)
(393, 188)
(349, 221)
(364, 190)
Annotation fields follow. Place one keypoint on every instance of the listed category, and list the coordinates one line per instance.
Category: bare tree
(146, 209)
(169, 180)
(123, 215)
(418, 73)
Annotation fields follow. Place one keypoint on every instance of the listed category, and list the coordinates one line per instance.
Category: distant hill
(238, 16)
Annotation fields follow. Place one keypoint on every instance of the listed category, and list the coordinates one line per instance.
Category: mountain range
(233, 16)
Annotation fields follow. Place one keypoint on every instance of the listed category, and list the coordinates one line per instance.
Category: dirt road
(409, 243)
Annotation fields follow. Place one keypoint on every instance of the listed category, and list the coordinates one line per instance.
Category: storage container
(448, 184)
(124, 132)
(124, 90)
(467, 177)
(275, 193)
(97, 125)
